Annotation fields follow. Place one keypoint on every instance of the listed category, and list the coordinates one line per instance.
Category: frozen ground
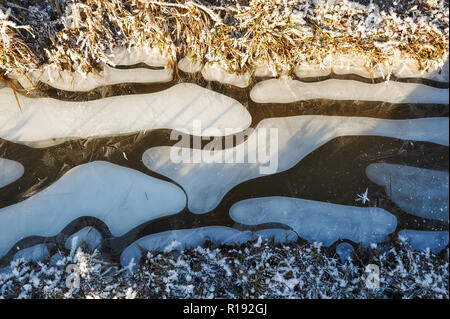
(258, 269)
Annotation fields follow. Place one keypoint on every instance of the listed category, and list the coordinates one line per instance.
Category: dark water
(332, 173)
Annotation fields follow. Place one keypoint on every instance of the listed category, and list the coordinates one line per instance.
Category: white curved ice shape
(286, 91)
(122, 198)
(317, 221)
(9, 171)
(78, 82)
(421, 240)
(207, 182)
(418, 191)
(174, 108)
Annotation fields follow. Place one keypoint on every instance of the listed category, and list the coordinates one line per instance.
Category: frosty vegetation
(78, 35)
(259, 269)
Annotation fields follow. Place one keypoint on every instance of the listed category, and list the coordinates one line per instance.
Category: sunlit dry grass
(77, 35)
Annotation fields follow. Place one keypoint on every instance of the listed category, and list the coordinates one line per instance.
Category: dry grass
(240, 35)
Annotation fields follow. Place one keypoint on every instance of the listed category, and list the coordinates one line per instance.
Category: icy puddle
(321, 161)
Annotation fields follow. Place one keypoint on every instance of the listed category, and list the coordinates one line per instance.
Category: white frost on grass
(206, 183)
(174, 108)
(121, 197)
(34, 253)
(436, 241)
(286, 90)
(190, 238)
(88, 235)
(213, 72)
(10, 171)
(418, 191)
(317, 221)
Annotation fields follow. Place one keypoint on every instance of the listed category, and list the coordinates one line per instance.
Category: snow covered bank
(121, 197)
(183, 239)
(207, 182)
(418, 191)
(9, 171)
(287, 91)
(317, 221)
(174, 108)
(255, 270)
